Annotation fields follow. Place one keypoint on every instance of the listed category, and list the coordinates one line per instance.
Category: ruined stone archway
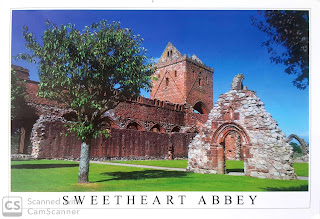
(134, 126)
(201, 108)
(108, 123)
(227, 127)
(21, 130)
(266, 154)
(219, 144)
(157, 128)
(302, 143)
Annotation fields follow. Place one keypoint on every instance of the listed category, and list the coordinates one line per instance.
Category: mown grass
(61, 176)
(301, 169)
(231, 165)
(158, 163)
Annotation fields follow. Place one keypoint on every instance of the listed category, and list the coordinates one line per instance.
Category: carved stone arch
(224, 129)
(133, 125)
(201, 107)
(218, 145)
(108, 123)
(302, 143)
(157, 128)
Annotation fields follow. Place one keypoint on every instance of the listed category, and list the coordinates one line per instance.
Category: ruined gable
(263, 146)
(170, 53)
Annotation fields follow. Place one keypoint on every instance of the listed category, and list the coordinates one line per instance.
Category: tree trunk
(22, 140)
(83, 176)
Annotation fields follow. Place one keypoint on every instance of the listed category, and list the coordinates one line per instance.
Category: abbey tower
(183, 80)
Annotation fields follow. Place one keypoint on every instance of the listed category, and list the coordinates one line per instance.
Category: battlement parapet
(159, 103)
(182, 59)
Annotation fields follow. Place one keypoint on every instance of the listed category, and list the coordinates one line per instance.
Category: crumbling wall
(148, 115)
(265, 151)
(49, 142)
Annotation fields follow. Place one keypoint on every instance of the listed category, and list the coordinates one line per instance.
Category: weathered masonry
(183, 80)
(141, 128)
(178, 121)
(239, 127)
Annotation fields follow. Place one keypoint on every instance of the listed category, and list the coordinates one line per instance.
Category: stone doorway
(231, 141)
(233, 153)
(232, 144)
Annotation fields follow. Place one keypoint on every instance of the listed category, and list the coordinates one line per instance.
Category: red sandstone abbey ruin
(177, 121)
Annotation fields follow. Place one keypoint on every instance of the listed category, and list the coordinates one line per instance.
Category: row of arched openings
(155, 128)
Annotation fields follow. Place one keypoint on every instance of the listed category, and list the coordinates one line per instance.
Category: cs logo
(12, 206)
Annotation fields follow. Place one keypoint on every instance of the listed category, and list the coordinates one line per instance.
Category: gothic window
(175, 73)
(171, 53)
(167, 81)
(168, 54)
(199, 81)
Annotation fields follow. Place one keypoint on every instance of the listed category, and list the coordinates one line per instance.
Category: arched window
(175, 73)
(134, 126)
(168, 54)
(199, 81)
(176, 129)
(155, 128)
(167, 81)
(200, 108)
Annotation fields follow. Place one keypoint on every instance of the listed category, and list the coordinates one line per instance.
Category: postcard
(161, 110)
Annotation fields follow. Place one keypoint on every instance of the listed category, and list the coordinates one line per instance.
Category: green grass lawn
(301, 169)
(61, 176)
(231, 165)
(158, 163)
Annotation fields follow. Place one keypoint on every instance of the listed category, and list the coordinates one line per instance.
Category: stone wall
(49, 142)
(302, 159)
(148, 115)
(263, 146)
(199, 84)
(183, 80)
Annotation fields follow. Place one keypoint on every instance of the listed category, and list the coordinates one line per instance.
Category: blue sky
(225, 40)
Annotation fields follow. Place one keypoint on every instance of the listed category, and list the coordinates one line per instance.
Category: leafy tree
(18, 96)
(296, 148)
(89, 71)
(288, 30)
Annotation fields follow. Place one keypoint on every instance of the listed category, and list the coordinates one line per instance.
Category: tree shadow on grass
(235, 170)
(285, 189)
(41, 166)
(142, 175)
